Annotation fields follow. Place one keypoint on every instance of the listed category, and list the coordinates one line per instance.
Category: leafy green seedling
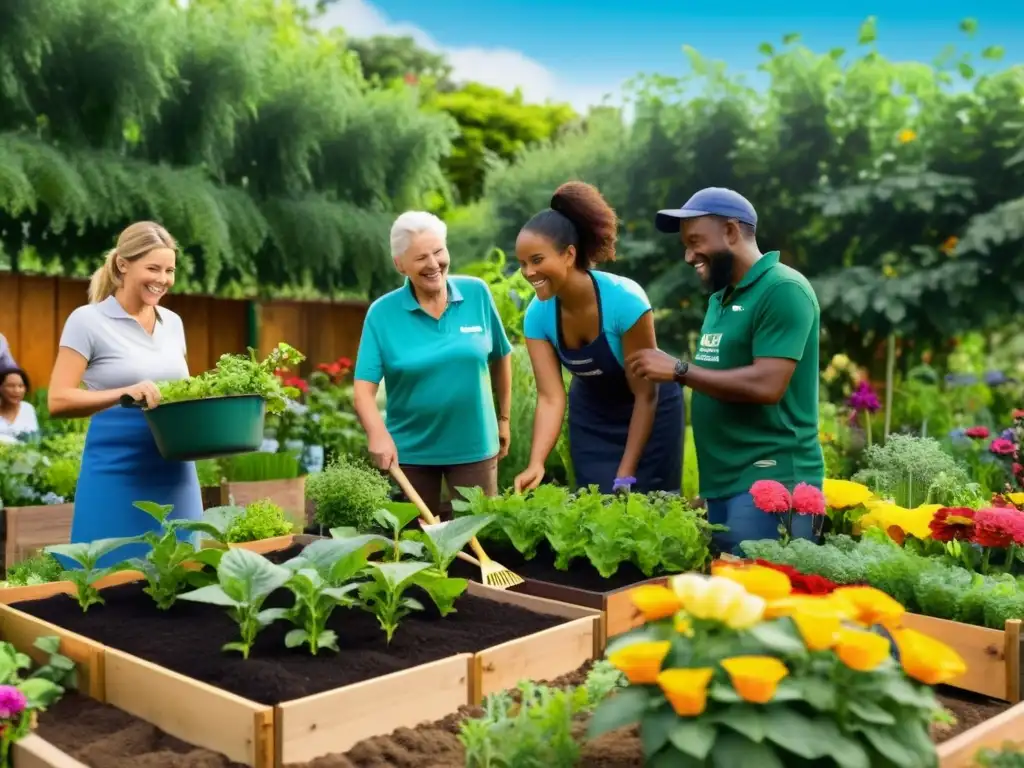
(321, 581)
(442, 543)
(394, 521)
(383, 596)
(86, 554)
(244, 581)
(168, 566)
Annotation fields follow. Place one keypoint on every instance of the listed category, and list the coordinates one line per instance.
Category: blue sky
(575, 49)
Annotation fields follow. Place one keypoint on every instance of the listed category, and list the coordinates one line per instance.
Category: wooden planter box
(993, 656)
(961, 751)
(34, 752)
(289, 495)
(265, 736)
(29, 529)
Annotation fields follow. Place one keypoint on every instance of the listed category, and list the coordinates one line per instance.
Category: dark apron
(600, 409)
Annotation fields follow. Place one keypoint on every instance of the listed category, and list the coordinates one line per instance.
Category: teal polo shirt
(440, 407)
(771, 312)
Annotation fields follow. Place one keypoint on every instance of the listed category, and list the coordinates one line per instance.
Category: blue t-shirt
(623, 302)
(440, 409)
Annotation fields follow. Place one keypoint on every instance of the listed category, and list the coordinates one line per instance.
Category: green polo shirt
(440, 409)
(771, 312)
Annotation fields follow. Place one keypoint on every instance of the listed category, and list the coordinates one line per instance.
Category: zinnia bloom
(686, 689)
(12, 702)
(952, 523)
(977, 433)
(1002, 447)
(808, 500)
(755, 678)
(771, 496)
(998, 527)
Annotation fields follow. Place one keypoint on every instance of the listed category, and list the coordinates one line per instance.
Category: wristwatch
(679, 376)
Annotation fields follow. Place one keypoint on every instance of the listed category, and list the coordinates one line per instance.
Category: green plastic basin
(205, 429)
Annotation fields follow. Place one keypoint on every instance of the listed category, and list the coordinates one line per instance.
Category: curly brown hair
(579, 216)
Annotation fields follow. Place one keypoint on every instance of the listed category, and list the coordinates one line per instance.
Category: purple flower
(864, 398)
(12, 702)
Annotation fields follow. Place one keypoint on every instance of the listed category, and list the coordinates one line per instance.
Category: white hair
(410, 224)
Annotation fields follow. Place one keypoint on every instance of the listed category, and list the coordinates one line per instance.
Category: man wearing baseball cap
(755, 375)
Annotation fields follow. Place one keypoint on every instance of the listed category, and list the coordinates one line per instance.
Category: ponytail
(105, 280)
(579, 216)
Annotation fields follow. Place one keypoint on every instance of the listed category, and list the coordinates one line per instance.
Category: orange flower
(766, 583)
(949, 245)
(788, 606)
(818, 625)
(862, 651)
(926, 659)
(873, 606)
(686, 689)
(755, 678)
(641, 662)
(655, 601)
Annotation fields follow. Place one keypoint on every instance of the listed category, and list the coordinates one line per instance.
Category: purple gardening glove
(623, 484)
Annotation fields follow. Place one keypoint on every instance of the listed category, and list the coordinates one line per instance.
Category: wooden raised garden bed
(993, 656)
(34, 752)
(289, 495)
(961, 751)
(29, 529)
(285, 706)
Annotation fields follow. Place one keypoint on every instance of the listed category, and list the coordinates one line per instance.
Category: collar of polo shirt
(410, 303)
(111, 307)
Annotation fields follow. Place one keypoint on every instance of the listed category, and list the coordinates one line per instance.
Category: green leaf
(622, 708)
(325, 553)
(40, 692)
(208, 556)
(889, 743)
(969, 26)
(693, 737)
(49, 644)
(993, 53)
(403, 512)
(966, 70)
(258, 576)
(670, 757)
(779, 636)
(766, 49)
(743, 718)
(868, 31)
(295, 638)
(870, 712)
(443, 591)
(794, 732)
(734, 751)
(396, 574)
(724, 693)
(157, 511)
(450, 537)
(904, 692)
(790, 37)
(655, 727)
(212, 594)
(819, 694)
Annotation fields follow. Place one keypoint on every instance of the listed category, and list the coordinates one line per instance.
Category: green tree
(385, 59)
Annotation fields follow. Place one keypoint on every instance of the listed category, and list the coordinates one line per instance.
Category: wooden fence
(33, 310)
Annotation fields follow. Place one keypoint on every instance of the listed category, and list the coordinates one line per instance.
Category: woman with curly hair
(624, 432)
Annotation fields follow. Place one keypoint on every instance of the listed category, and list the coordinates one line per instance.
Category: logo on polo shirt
(737, 307)
(707, 351)
(471, 329)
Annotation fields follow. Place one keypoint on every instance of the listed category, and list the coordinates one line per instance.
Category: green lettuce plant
(86, 555)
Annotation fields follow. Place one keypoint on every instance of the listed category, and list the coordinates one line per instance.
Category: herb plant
(170, 564)
(239, 375)
(245, 580)
(86, 555)
(348, 493)
(42, 568)
(260, 520)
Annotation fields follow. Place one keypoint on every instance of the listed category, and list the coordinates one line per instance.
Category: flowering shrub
(774, 498)
(22, 697)
(733, 669)
(997, 530)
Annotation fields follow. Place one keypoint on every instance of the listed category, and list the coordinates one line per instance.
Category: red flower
(803, 583)
(1018, 469)
(300, 384)
(771, 496)
(1002, 447)
(344, 362)
(1018, 413)
(998, 527)
(952, 523)
(808, 500)
(978, 433)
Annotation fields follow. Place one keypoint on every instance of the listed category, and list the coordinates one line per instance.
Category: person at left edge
(624, 431)
(440, 348)
(119, 344)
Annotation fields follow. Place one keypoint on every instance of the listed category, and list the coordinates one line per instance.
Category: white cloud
(500, 67)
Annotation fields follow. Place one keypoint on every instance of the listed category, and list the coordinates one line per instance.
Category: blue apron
(600, 409)
(121, 465)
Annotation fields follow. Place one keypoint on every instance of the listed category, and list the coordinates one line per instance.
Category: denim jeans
(746, 522)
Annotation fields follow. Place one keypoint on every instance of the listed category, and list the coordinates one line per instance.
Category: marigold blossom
(808, 500)
(771, 496)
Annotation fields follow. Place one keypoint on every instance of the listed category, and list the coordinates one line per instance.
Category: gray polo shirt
(119, 351)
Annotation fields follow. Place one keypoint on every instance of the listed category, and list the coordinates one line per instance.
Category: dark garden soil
(581, 574)
(103, 737)
(188, 637)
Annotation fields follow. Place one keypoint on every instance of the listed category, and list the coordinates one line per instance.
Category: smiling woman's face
(149, 277)
(425, 262)
(543, 265)
(12, 389)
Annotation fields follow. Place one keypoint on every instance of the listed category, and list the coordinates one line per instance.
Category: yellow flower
(655, 601)
(829, 374)
(889, 270)
(862, 651)
(873, 606)
(926, 659)
(641, 662)
(683, 625)
(826, 437)
(718, 599)
(686, 689)
(755, 678)
(1016, 498)
(840, 361)
(767, 583)
(884, 515)
(906, 136)
(818, 624)
(845, 494)
(788, 606)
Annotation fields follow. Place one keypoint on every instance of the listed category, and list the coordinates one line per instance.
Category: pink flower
(808, 500)
(12, 702)
(998, 527)
(771, 496)
(978, 433)
(1002, 446)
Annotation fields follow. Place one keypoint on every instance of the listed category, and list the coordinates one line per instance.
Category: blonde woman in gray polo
(120, 343)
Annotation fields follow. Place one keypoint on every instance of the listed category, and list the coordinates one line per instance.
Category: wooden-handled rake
(492, 574)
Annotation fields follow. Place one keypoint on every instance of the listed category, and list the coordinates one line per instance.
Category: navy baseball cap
(713, 201)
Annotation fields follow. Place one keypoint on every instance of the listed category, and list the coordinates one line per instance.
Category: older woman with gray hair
(439, 346)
